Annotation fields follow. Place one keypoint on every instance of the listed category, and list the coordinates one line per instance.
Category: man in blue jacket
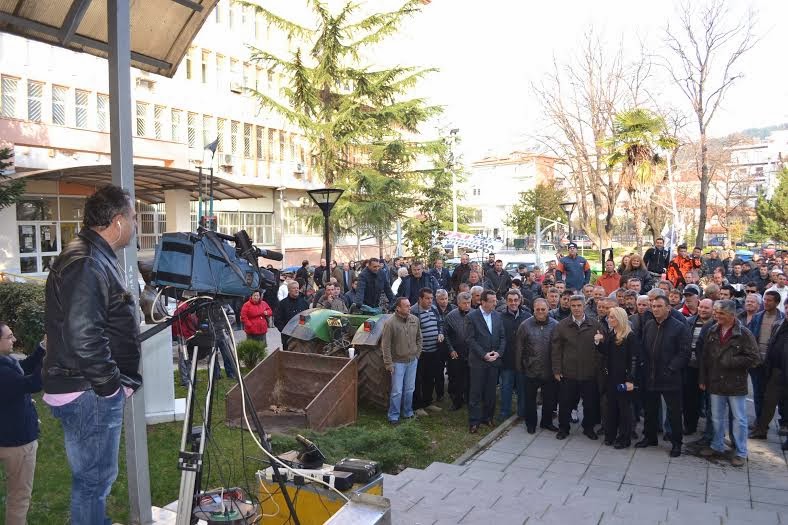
(573, 269)
(19, 428)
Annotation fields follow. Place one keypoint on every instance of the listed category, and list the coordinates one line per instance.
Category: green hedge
(22, 307)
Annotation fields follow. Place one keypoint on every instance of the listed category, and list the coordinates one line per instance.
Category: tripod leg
(188, 474)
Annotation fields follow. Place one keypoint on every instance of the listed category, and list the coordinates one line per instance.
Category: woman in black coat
(620, 350)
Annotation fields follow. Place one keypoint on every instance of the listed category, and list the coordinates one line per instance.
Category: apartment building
(54, 114)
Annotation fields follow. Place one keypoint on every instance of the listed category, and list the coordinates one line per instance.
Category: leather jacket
(91, 326)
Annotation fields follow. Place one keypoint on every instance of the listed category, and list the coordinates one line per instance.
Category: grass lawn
(233, 457)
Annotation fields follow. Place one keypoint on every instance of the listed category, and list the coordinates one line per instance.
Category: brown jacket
(723, 367)
(574, 354)
(401, 339)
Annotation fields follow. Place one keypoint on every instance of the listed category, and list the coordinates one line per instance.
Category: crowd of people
(667, 340)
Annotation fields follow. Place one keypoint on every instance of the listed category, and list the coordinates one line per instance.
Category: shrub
(22, 307)
(251, 352)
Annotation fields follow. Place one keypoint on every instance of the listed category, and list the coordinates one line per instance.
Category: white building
(494, 185)
(54, 114)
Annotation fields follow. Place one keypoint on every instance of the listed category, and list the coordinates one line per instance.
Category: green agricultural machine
(329, 332)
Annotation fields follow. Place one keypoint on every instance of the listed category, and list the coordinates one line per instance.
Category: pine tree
(772, 214)
(10, 189)
(357, 118)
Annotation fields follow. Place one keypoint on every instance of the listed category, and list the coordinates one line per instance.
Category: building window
(476, 191)
(232, 17)
(35, 91)
(45, 225)
(259, 226)
(248, 141)
(271, 149)
(189, 65)
(259, 144)
(293, 140)
(221, 71)
(208, 133)
(281, 146)
(8, 89)
(102, 112)
(177, 125)
(193, 133)
(259, 84)
(206, 56)
(59, 94)
(159, 126)
(234, 126)
(151, 222)
(236, 73)
(81, 108)
(142, 119)
(220, 134)
(297, 223)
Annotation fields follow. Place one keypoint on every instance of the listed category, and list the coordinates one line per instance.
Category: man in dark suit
(344, 276)
(486, 345)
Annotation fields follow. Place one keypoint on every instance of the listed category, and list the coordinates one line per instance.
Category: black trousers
(570, 391)
(549, 389)
(690, 399)
(775, 393)
(440, 387)
(481, 404)
(459, 381)
(618, 420)
(651, 402)
(429, 372)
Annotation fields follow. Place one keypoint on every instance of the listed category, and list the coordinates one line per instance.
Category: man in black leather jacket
(93, 350)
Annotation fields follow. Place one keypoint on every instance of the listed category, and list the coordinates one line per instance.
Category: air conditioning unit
(146, 83)
(227, 160)
(236, 87)
(299, 169)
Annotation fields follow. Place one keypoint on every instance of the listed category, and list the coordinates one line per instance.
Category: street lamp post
(325, 199)
(568, 208)
(452, 141)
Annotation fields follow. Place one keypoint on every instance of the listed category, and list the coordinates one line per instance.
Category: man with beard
(656, 258)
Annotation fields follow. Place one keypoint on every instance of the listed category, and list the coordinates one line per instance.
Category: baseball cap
(691, 289)
(571, 245)
(521, 267)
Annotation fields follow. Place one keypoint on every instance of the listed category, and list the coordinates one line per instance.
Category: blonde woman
(620, 350)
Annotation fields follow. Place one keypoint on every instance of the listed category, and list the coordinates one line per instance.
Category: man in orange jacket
(680, 265)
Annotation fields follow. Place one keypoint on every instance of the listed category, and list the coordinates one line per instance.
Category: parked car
(582, 241)
(717, 240)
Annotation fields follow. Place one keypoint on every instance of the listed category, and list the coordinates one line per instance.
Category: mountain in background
(763, 133)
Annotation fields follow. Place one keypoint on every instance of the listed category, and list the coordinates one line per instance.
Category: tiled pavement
(537, 479)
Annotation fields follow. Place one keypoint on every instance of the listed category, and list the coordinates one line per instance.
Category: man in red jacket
(254, 316)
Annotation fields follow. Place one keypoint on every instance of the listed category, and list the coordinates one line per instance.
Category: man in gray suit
(486, 345)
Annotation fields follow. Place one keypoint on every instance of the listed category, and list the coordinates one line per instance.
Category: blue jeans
(403, 383)
(91, 426)
(719, 416)
(758, 378)
(511, 382)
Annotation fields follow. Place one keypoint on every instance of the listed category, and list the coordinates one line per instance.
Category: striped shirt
(431, 325)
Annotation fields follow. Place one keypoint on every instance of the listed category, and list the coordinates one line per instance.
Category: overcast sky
(489, 52)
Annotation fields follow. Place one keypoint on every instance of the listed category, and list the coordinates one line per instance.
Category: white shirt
(282, 293)
(487, 319)
(578, 322)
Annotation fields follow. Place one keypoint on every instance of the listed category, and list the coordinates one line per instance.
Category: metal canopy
(150, 182)
(161, 30)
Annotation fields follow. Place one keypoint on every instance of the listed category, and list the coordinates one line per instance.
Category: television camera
(203, 270)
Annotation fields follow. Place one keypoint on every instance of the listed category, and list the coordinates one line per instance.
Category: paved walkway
(535, 479)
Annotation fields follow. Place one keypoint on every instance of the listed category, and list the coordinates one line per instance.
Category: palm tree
(638, 136)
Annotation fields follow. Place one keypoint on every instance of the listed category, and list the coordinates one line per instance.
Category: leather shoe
(666, 436)
(608, 442)
(562, 435)
(550, 427)
(530, 430)
(645, 442)
(621, 444)
(675, 451)
(473, 429)
(785, 446)
(757, 435)
(590, 434)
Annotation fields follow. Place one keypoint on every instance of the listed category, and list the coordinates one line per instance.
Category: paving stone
(531, 462)
(522, 477)
(768, 479)
(774, 496)
(667, 502)
(479, 498)
(455, 482)
(519, 505)
(400, 501)
(509, 444)
(559, 466)
(760, 517)
(636, 511)
(479, 516)
(493, 456)
(729, 475)
(607, 490)
(566, 479)
(391, 483)
(697, 511)
(644, 479)
(418, 474)
(722, 489)
(684, 496)
(605, 473)
(428, 509)
(483, 473)
(479, 464)
(410, 519)
(446, 468)
(563, 487)
(685, 484)
(612, 519)
(541, 452)
(562, 516)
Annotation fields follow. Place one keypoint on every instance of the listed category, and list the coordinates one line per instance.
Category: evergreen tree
(772, 214)
(356, 118)
(10, 189)
(542, 201)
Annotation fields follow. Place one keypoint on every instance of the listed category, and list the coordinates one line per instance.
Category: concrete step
(485, 492)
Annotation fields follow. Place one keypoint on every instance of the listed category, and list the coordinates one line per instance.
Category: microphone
(270, 254)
